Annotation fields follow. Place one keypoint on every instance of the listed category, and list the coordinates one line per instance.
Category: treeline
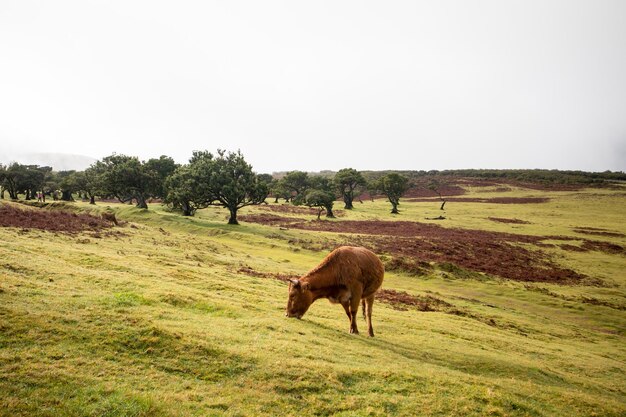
(225, 179)
(116, 176)
(541, 176)
(222, 179)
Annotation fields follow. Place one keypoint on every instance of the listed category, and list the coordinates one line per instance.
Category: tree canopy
(393, 185)
(348, 180)
(225, 180)
(127, 178)
(320, 193)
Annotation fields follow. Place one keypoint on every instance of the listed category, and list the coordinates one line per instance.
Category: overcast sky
(319, 85)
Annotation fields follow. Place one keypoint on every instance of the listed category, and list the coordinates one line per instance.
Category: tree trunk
(141, 201)
(394, 209)
(348, 200)
(92, 199)
(67, 196)
(186, 208)
(43, 195)
(329, 212)
(233, 216)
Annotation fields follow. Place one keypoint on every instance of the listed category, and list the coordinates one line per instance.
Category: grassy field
(174, 316)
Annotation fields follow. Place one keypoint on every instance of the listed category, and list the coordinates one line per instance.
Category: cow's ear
(295, 283)
(306, 286)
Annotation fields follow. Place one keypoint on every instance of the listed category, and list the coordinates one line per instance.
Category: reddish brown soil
(496, 200)
(423, 191)
(50, 220)
(605, 247)
(290, 208)
(475, 250)
(572, 248)
(400, 300)
(478, 182)
(598, 232)
(269, 219)
(453, 182)
(511, 221)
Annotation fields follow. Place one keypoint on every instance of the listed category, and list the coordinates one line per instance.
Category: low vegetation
(515, 309)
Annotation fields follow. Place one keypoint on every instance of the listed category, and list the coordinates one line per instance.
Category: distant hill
(58, 161)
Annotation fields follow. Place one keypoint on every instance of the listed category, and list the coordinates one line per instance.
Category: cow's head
(300, 298)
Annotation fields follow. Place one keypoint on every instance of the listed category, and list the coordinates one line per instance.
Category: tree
(68, 184)
(393, 185)
(9, 182)
(279, 190)
(323, 200)
(182, 191)
(297, 184)
(3, 170)
(435, 186)
(225, 180)
(127, 178)
(89, 181)
(266, 179)
(269, 182)
(320, 194)
(164, 166)
(347, 181)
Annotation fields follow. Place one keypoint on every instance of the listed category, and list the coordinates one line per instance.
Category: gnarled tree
(320, 194)
(296, 184)
(225, 180)
(393, 185)
(348, 180)
(127, 178)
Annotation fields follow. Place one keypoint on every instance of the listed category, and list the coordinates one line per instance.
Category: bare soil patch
(495, 200)
(605, 247)
(493, 253)
(52, 220)
(597, 232)
(511, 221)
(268, 219)
(420, 190)
(401, 300)
(290, 208)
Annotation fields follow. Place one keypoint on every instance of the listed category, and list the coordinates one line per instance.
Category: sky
(319, 85)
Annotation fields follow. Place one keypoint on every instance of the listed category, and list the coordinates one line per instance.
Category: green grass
(159, 322)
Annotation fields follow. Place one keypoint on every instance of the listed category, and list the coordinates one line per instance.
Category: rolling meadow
(513, 305)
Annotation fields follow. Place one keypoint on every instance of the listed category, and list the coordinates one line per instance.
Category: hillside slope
(173, 316)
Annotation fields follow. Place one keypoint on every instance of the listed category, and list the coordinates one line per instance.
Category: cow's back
(361, 265)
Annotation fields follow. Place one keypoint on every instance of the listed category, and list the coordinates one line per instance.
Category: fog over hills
(58, 161)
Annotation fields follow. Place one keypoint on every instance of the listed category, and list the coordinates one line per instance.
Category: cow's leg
(346, 307)
(354, 309)
(369, 304)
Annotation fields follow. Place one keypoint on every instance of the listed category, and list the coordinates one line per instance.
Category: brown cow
(348, 275)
